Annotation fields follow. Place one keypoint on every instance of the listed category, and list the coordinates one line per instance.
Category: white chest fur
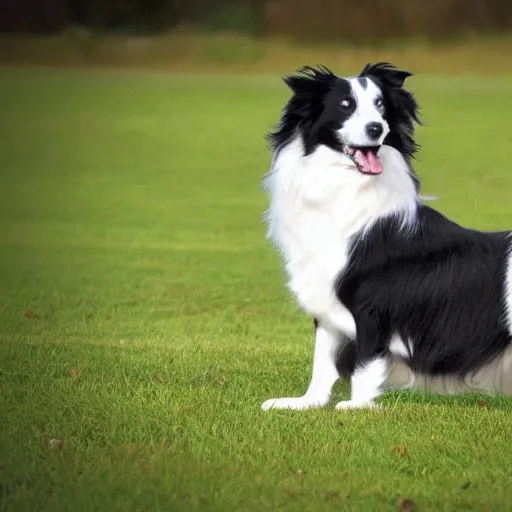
(317, 204)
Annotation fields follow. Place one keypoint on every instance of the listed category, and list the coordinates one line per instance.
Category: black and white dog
(390, 282)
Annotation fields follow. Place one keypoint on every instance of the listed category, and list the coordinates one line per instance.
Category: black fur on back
(440, 286)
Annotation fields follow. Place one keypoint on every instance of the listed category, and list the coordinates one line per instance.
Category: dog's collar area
(365, 158)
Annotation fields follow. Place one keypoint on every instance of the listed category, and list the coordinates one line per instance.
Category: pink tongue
(369, 162)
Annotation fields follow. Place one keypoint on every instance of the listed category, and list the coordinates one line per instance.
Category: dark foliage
(363, 21)
(126, 16)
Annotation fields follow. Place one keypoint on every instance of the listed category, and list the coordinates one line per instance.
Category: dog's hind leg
(325, 373)
(371, 365)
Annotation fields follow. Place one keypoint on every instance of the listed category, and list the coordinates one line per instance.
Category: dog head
(354, 116)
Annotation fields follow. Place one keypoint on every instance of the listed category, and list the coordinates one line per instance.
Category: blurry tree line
(358, 21)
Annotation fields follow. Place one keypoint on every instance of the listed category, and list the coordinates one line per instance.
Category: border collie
(400, 295)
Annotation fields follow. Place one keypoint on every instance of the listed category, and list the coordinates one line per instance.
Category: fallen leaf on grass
(74, 372)
(400, 448)
(56, 443)
(158, 378)
(484, 404)
(30, 314)
(406, 505)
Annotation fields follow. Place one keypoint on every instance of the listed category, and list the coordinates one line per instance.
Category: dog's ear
(309, 85)
(310, 81)
(386, 73)
(391, 80)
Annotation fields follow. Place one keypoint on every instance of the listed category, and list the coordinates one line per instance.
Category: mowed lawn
(144, 319)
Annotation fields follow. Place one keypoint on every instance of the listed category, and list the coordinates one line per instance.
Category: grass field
(143, 318)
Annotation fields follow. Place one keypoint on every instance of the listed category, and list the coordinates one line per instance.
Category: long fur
(396, 287)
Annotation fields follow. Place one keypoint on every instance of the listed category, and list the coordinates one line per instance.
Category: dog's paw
(296, 403)
(346, 405)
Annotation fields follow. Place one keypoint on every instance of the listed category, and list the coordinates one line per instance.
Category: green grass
(143, 317)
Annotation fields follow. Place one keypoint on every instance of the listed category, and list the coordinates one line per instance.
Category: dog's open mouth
(365, 158)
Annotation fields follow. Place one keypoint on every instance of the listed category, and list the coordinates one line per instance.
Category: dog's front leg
(325, 373)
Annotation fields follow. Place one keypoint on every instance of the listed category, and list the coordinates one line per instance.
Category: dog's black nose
(374, 130)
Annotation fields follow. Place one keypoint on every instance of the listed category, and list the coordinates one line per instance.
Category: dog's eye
(379, 103)
(347, 104)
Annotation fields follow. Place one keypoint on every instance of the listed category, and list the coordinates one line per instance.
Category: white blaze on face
(353, 132)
